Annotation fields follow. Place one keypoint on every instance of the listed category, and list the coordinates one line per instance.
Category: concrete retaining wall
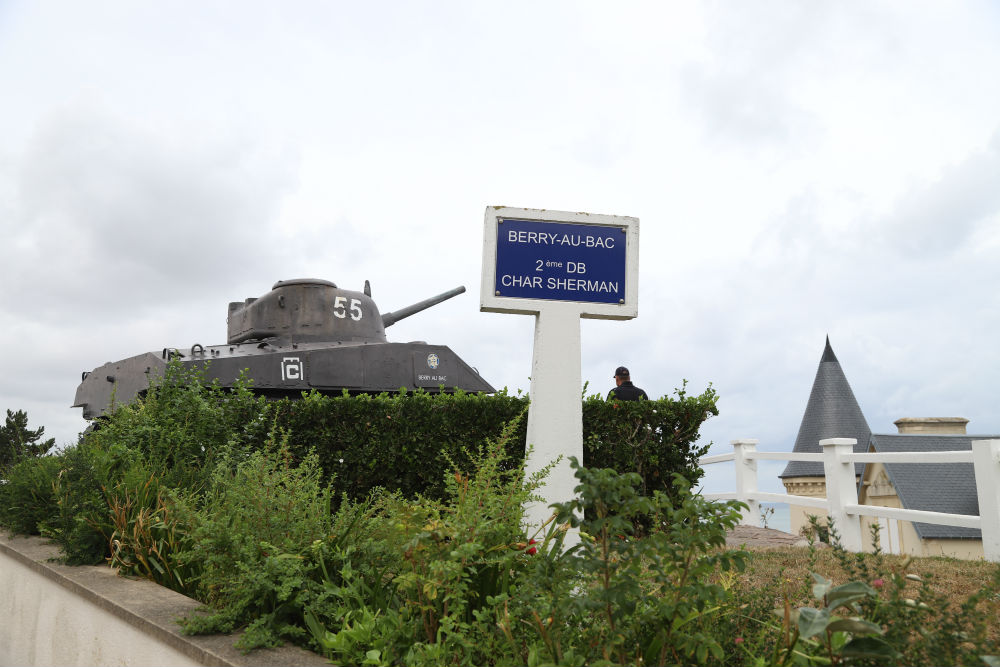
(52, 614)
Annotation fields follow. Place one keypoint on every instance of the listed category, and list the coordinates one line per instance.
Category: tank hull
(288, 369)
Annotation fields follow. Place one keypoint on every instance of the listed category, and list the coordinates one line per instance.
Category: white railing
(841, 502)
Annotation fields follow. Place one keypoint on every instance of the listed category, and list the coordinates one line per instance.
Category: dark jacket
(627, 392)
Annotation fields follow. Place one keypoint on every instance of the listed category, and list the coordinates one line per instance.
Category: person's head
(621, 375)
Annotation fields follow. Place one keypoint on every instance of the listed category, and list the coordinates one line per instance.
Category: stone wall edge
(146, 606)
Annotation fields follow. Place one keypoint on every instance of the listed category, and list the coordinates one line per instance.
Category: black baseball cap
(621, 371)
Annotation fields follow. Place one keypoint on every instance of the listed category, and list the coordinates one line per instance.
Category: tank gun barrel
(388, 319)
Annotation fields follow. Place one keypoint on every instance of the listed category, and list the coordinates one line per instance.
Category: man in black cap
(624, 389)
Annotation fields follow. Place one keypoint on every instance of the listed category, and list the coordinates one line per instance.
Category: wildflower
(533, 550)
(738, 641)
(878, 583)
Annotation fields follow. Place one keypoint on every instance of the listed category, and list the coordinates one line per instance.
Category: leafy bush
(81, 523)
(621, 598)
(26, 497)
(250, 537)
(182, 425)
(654, 439)
(456, 582)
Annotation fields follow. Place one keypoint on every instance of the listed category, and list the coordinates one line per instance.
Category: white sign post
(558, 266)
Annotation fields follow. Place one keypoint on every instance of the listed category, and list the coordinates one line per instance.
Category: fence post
(986, 463)
(746, 479)
(841, 490)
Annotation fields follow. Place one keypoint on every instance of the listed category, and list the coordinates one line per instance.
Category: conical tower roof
(832, 412)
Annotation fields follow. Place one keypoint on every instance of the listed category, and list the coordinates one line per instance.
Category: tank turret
(304, 334)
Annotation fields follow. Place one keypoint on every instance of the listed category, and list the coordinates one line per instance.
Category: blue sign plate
(559, 261)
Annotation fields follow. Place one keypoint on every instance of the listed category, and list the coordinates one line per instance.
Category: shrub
(466, 587)
(26, 497)
(182, 425)
(108, 489)
(81, 523)
(622, 598)
(654, 439)
(250, 540)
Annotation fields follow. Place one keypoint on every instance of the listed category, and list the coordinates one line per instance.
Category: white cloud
(946, 216)
(104, 214)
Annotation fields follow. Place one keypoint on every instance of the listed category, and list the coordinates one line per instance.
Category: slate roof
(934, 487)
(832, 412)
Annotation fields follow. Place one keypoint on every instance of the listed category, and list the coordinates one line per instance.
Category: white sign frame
(490, 302)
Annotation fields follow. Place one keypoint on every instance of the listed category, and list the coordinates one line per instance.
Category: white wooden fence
(841, 502)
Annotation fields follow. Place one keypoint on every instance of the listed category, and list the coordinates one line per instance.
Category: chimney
(931, 425)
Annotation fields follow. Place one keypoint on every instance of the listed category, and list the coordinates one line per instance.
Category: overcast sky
(798, 168)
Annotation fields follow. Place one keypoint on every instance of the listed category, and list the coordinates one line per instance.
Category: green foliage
(147, 536)
(386, 530)
(821, 635)
(404, 442)
(177, 431)
(17, 441)
(409, 442)
(411, 551)
(461, 585)
(623, 598)
(81, 524)
(26, 498)
(429, 572)
(249, 542)
(107, 491)
(654, 439)
(182, 425)
(230, 498)
(469, 550)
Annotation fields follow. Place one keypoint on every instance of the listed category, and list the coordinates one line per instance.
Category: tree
(17, 441)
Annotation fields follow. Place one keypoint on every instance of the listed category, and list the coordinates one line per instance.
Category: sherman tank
(304, 334)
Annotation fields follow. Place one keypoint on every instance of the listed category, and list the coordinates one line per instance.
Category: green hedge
(409, 442)
(396, 441)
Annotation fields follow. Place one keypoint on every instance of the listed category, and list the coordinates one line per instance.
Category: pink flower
(738, 640)
(878, 583)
